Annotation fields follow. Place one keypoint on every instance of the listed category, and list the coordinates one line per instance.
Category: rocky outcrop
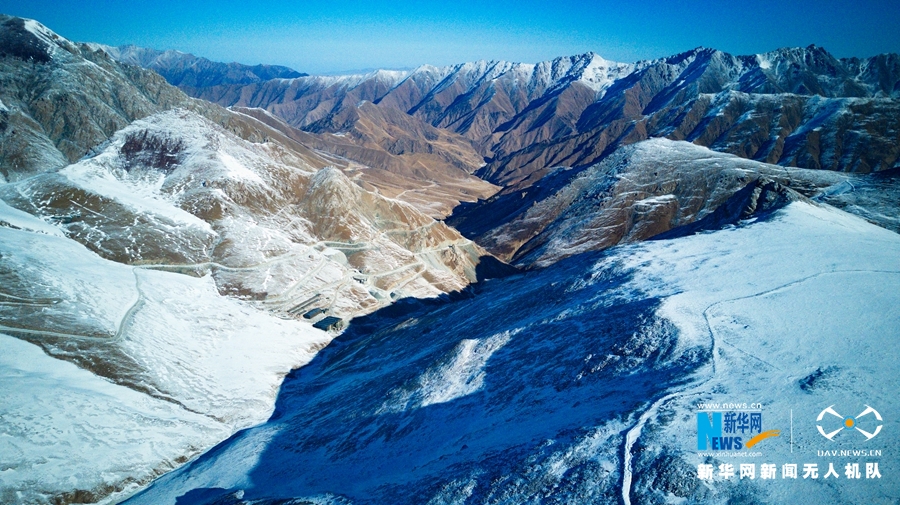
(757, 199)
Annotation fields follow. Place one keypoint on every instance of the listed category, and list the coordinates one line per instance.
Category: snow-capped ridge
(48, 36)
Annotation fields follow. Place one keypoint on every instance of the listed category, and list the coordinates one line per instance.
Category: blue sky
(334, 36)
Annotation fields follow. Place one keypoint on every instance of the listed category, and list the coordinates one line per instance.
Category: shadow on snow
(518, 386)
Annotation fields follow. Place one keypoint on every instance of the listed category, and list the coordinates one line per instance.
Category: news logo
(847, 423)
(731, 430)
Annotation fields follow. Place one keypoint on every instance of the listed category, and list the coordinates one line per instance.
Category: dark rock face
(20, 43)
(142, 149)
(760, 197)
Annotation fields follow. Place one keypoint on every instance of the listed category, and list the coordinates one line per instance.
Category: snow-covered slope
(812, 324)
(579, 383)
(175, 268)
(178, 191)
(187, 366)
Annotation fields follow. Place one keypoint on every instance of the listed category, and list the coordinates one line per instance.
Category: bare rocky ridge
(785, 107)
(640, 191)
(418, 135)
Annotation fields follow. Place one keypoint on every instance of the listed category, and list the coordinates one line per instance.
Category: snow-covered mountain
(644, 190)
(171, 273)
(175, 189)
(513, 123)
(580, 382)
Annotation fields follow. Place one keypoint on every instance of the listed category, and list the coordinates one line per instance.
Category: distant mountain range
(792, 107)
(190, 72)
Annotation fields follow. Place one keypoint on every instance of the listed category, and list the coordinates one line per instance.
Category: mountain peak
(688, 56)
(811, 49)
(28, 39)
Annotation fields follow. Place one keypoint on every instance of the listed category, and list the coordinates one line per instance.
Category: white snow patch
(18, 219)
(65, 428)
(41, 32)
(464, 375)
(656, 200)
(238, 171)
(90, 176)
(801, 241)
(600, 74)
(460, 374)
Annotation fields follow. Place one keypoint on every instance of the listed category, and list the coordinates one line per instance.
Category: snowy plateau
(489, 283)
